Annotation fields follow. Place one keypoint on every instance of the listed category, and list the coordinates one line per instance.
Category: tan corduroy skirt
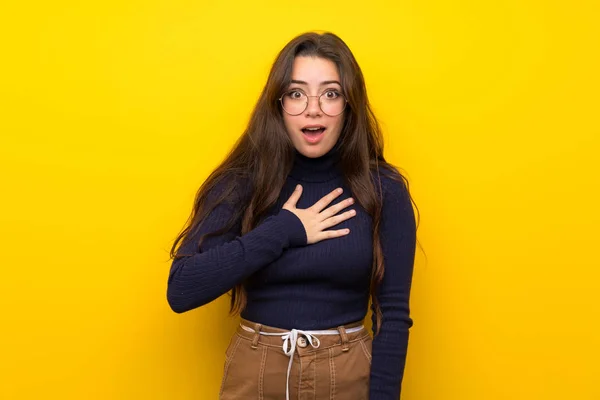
(335, 366)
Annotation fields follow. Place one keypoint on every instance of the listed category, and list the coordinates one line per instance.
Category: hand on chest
(341, 261)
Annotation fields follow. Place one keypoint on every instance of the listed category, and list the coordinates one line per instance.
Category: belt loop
(256, 335)
(344, 336)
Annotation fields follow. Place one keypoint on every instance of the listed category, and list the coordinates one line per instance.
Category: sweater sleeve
(398, 240)
(227, 260)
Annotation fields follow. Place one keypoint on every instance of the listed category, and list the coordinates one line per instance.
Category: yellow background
(112, 113)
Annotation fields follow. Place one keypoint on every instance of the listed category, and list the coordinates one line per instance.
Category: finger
(336, 208)
(293, 199)
(332, 234)
(329, 222)
(321, 204)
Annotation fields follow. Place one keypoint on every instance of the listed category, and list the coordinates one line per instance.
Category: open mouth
(313, 131)
(313, 134)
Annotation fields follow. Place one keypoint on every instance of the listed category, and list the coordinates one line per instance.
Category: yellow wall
(112, 113)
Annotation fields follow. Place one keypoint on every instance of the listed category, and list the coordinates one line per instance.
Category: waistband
(327, 337)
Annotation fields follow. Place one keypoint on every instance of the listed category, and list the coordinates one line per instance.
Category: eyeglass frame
(308, 101)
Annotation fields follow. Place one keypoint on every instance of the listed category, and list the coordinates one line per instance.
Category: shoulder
(229, 187)
(397, 205)
(390, 183)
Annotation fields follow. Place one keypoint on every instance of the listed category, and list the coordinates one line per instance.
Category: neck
(318, 169)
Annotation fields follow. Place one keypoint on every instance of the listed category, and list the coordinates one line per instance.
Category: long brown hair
(265, 140)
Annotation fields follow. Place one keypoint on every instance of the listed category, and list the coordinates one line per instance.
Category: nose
(313, 108)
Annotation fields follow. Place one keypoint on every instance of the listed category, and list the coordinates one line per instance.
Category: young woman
(305, 222)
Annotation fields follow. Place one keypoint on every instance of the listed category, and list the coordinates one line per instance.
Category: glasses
(295, 102)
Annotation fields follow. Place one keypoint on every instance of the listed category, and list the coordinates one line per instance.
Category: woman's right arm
(229, 259)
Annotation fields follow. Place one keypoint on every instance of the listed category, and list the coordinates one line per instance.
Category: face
(313, 132)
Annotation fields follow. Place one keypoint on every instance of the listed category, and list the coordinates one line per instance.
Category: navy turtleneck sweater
(294, 285)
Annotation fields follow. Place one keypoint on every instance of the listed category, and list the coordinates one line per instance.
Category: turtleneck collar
(320, 169)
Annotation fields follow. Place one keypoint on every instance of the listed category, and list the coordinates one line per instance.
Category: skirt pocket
(232, 348)
(242, 372)
(367, 346)
(351, 370)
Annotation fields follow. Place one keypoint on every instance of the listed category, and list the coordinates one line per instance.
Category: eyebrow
(322, 83)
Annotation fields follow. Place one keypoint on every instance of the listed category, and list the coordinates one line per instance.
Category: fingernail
(340, 190)
(297, 187)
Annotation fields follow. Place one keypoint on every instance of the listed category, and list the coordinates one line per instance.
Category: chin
(314, 151)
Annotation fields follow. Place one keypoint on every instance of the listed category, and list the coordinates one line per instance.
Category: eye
(295, 94)
(331, 94)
